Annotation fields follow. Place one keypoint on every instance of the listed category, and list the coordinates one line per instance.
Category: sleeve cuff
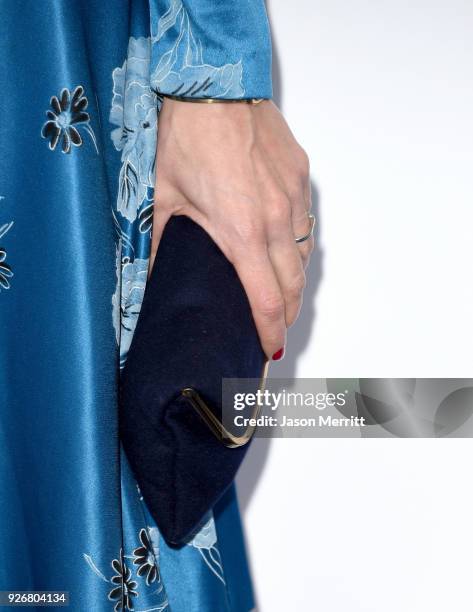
(210, 48)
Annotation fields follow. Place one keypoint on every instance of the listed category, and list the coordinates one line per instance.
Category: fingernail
(278, 355)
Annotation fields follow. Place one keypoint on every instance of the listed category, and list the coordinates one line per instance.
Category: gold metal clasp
(215, 425)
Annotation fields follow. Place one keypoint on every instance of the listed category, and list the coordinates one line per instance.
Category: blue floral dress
(79, 111)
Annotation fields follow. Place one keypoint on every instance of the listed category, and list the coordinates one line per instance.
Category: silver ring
(309, 233)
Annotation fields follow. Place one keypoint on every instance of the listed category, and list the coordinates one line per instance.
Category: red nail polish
(278, 355)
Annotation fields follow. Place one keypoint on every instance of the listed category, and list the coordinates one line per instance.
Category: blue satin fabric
(78, 118)
(220, 49)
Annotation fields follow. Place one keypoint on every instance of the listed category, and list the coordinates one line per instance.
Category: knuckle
(305, 261)
(296, 287)
(303, 162)
(292, 318)
(248, 231)
(271, 307)
(295, 191)
(307, 247)
(280, 210)
(305, 256)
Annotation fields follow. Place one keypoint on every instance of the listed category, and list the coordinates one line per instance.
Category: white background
(380, 94)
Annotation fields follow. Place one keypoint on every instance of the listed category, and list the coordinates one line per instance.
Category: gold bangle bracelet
(211, 100)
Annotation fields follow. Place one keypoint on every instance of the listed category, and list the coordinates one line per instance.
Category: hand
(237, 171)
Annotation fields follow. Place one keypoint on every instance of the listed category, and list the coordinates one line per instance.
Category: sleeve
(211, 48)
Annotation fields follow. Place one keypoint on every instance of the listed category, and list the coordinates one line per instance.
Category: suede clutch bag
(195, 329)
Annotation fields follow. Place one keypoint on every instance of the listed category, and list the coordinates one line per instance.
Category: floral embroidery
(134, 111)
(5, 270)
(67, 116)
(125, 589)
(146, 559)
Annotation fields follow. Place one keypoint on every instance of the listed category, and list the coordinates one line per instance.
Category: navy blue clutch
(195, 328)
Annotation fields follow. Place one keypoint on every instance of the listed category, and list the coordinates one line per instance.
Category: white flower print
(206, 543)
(126, 301)
(134, 111)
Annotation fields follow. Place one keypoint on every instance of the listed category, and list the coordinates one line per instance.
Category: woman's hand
(237, 171)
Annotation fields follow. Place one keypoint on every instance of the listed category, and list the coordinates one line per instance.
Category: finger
(285, 255)
(301, 223)
(300, 220)
(305, 250)
(307, 190)
(259, 280)
(289, 269)
(301, 206)
(297, 188)
(282, 249)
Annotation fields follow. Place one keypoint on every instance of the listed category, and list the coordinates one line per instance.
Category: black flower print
(5, 270)
(146, 559)
(125, 587)
(67, 116)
